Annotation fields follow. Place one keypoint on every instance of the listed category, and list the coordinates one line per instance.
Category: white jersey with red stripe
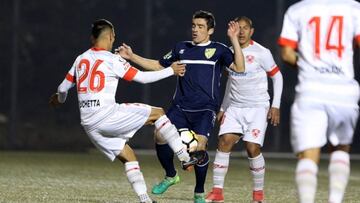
(250, 88)
(323, 32)
(96, 73)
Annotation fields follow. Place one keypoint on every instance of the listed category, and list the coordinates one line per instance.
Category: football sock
(169, 132)
(166, 156)
(220, 168)
(339, 171)
(136, 179)
(200, 173)
(257, 169)
(306, 180)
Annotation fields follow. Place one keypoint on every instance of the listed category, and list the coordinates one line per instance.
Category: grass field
(90, 177)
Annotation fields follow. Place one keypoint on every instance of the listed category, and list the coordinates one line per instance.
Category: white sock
(306, 180)
(169, 132)
(257, 169)
(136, 179)
(220, 168)
(339, 171)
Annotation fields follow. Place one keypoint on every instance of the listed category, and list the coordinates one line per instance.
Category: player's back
(96, 83)
(324, 31)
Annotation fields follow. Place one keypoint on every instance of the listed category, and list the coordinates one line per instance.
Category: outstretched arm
(153, 76)
(239, 62)
(126, 52)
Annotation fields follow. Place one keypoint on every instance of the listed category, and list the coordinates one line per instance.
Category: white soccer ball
(189, 139)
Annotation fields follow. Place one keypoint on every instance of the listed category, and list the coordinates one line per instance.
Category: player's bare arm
(274, 116)
(289, 55)
(233, 31)
(126, 52)
(179, 68)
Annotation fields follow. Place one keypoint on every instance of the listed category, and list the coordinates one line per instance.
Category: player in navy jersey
(197, 96)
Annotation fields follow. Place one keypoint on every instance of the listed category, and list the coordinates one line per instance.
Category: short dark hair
(209, 17)
(246, 19)
(99, 26)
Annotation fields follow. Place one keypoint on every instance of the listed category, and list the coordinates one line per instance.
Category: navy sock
(200, 174)
(166, 158)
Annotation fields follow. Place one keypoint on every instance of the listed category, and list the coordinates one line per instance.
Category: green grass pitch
(90, 177)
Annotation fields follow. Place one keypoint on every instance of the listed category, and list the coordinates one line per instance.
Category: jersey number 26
(90, 79)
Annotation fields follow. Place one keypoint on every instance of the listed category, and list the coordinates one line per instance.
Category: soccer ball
(189, 139)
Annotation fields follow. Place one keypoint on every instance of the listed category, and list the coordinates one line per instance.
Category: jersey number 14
(335, 30)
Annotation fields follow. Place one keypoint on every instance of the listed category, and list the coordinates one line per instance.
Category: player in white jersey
(317, 37)
(245, 110)
(108, 124)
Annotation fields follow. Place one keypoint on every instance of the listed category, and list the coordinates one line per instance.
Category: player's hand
(233, 29)
(220, 116)
(53, 101)
(179, 68)
(124, 51)
(274, 116)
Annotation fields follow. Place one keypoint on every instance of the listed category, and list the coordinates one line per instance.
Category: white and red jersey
(95, 74)
(323, 32)
(250, 88)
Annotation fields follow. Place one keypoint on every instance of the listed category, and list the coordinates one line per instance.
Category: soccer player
(108, 124)
(196, 98)
(318, 37)
(245, 110)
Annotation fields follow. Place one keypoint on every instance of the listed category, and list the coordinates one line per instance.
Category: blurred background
(41, 39)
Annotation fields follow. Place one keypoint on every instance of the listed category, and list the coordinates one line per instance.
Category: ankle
(217, 190)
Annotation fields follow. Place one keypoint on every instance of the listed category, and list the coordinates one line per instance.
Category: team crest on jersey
(250, 59)
(209, 52)
(181, 51)
(255, 132)
(168, 55)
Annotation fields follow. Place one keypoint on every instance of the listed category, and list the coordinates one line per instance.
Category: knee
(157, 112)
(253, 149)
(226, 143)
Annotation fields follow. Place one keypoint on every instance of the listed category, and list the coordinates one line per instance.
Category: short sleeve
(169, 58)
(289, 33)
(123, 69)
(267, 61)
(227, 56)
(356, 25)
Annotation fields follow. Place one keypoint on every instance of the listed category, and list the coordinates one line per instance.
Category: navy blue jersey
(199, 89)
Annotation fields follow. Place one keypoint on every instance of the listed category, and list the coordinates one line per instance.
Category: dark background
(41, 39)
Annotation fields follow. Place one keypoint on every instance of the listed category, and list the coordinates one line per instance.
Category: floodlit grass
(90, 177)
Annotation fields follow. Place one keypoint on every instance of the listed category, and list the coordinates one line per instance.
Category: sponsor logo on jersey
(89, 103)
(332, 69)
(181, 51)
(209, 52)
(233, 73)
(168, 55)
(250, 59)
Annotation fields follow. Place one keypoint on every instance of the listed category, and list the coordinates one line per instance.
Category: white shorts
(114, 131)
(250, 122)
(312, 124)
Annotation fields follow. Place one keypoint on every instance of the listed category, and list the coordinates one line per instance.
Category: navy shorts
(200, 121)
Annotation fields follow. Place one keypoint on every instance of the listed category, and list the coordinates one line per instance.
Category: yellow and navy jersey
(199, 89)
